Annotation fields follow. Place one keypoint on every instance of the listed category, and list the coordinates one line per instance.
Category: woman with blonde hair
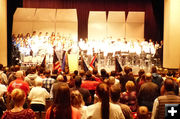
(18, 112)
(129, 97)
(78, 102)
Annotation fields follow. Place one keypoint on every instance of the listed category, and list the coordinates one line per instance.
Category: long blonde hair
(76, 99)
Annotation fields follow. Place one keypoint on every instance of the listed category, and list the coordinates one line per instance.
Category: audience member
(129, 97)
(3, 91)
(48, 81)
(18, 112)
(61, 108)
(104, 74)
(140, 73)
(85, 92)
(30, 78)
(38, 96)
(90, 84)
(148, 92)
(113, 74)
(104, 109)
(19, 83)
(156, 78)
(59, 80)
(82, 74)
(169, 97)
(142, 81)
(78, 102)
(12, 75)
(3, 76)
(115, 98)
(143, 113)
(125, 78)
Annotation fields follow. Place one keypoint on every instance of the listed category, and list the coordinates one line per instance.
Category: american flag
(56, 63)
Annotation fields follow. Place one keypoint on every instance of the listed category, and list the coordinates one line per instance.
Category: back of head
(75, 72)
(142, 112)
(111, 80)
(12, 68)
(78, 81)
(103, 72)
(148, 76)
(126, 69)
(130, 86)
(95, 71)
(60, 78)
(76, 99)
(33, 70)
(47, 73)
(113, 73)
(38, 81)
(102, 90)
(115, 93)
(169, 85)
(19, 74)
(88, 75)
(18, 96)
(61, 102)
(141, 72)
(17, 68)
(1, 66)
(153, 69)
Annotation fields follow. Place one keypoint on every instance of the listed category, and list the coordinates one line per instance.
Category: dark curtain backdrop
(154, 10)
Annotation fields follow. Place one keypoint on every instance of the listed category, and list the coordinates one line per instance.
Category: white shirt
(3, 89)
(38, 95)
(94, 111)
(4, 77)
(154, 110)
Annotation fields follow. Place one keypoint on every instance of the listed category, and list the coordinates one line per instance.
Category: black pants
(38, 107)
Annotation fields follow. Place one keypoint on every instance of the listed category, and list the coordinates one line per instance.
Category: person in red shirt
(18, 83)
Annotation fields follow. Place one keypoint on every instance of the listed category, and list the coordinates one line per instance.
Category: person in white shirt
(3, 75)
(104, 109)
(38, 96)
